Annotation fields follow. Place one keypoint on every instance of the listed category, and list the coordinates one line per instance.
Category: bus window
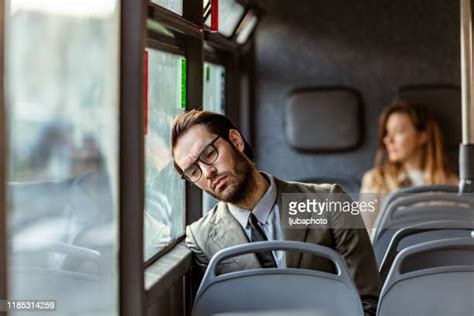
(214, 88)
(63, 131)
(230, 14)
(214, 101)
(164, 190)
(175, 6)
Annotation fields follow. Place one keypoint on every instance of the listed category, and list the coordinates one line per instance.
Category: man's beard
(243, 183)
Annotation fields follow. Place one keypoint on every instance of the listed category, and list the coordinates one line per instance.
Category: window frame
(164, 47)
(131, 162)
(150, 261)
(188, 39)
(213, 57)
(187, 43)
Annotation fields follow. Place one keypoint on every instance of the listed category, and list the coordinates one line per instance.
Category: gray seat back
(420, 233)
(274, 291)
(446, 188)
(419, 208)
(433, 278)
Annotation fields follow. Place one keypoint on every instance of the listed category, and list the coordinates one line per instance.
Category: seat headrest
(323, 119)
(444, 101)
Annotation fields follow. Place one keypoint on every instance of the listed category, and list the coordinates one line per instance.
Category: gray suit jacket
(219, 229)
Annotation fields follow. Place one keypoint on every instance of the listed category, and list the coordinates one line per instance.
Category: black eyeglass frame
(195, 163)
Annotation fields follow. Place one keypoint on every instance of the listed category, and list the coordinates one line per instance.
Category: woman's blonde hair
(389, 176)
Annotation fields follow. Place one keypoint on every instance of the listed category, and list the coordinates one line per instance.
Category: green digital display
(183, 83)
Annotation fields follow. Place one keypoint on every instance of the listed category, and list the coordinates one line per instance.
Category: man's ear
(236, 140)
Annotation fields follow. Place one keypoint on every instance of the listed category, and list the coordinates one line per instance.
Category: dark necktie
(266, 258)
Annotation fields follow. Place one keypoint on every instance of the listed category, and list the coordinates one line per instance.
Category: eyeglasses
(208, 156)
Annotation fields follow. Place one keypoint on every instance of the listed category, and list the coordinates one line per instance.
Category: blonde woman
(409, 153)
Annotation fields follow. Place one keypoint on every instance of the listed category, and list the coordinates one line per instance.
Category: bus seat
(30, 201)
(444, 101)
(65, 224)
(433, 278)
(423, 232)
(310, 114)
(273, 291)
(419, 208)
(70, 206)
(54, 255)
(403, 192)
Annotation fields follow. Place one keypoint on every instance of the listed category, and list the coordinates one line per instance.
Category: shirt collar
(263, 208)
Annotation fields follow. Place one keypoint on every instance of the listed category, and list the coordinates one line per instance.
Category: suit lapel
(294, 234)
(227, 232)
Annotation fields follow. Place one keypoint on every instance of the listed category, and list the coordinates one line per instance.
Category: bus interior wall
(372, 46)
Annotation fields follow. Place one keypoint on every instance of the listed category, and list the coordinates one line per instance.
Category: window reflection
(164, 190)
(214, 101)
(62, 107)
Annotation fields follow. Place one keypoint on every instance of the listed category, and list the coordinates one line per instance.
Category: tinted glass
(214, 101)
(164, 188)
(173, 5)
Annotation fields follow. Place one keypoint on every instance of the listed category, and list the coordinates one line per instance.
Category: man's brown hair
(215, 123)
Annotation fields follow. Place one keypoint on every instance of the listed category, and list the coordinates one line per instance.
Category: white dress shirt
(267, 213)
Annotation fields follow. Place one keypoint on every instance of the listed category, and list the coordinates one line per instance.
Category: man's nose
(208, 171)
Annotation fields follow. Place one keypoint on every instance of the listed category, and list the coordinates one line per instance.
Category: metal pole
(466, 154)
(466, 73)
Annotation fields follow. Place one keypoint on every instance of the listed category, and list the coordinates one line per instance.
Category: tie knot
(253, 220)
